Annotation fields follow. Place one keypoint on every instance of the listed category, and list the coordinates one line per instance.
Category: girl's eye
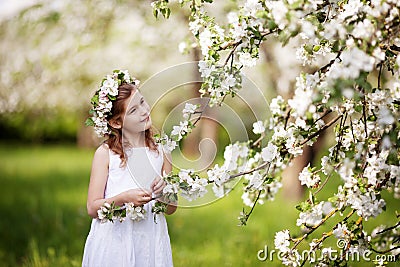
(141, 101)
(133, 110)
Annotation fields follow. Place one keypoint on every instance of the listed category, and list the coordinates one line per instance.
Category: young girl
(126, 172)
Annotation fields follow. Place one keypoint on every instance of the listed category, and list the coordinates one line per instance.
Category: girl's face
(137, 115)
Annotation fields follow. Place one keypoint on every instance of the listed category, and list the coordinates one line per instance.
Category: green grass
(44, 221)
(42, 196)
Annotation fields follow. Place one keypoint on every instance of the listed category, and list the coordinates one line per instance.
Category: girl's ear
(115, 123)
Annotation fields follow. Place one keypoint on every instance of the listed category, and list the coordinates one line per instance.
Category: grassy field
(44, 220)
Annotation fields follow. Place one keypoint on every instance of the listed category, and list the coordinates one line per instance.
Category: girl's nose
(145, 111)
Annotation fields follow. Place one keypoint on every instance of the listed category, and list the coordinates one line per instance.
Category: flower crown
(102, 100)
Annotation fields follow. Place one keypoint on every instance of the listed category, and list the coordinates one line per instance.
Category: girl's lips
(145, 119)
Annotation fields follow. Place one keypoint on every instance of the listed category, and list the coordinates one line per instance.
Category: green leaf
(89, 122)
(167, 13)
(95, 99)
(316, 48)
(303, 206)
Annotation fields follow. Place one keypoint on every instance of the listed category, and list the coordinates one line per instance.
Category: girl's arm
(97, 185)
(167, 168)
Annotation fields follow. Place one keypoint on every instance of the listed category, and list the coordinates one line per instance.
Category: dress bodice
(143, 165)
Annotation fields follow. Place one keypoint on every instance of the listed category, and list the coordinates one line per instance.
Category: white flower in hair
(102, 100)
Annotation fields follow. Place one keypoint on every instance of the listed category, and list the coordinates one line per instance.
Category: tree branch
(326, 126)
(255, 202)
(231, 52)
(379, 75)
(313, 228)
(385, 251)
(201, 112)
(389, 228)
(326, 67)
(262, 166)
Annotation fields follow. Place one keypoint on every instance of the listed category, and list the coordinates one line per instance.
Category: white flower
(232, 153)
(251, 7)
(385, 116)
(291, 258)
(255, 180)
(350, 9)
(278, 11)
(180, 130)
(353, 61)
(346, 173)
(270, 152)
(376, 168)
(238, 28)
(303, 93)
(228, 82)
(182, 47)
(218, 175)
(195, 26)
(196, 185)
(341, 231)
(333, 29)
(246, 199)
(169, 145)
(184, 175)
(205, 69)
(281, 240)
(100, 214)
(246, 59)
(232, 18)
(271, 189)
(307, 30)
(364, 29)
(301, 123)
(311, 217)
(205, 40)
(171, 189)
(308, 178)
(275, 105)
(367, 205)
(189, 109)
(135, 213)
(327, 207)
(377, 230)
(218, 190)
(258, 127)
(293, 146)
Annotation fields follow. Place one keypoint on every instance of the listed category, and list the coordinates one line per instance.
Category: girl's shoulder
(103, 148)
(101, 157)
(102, 151)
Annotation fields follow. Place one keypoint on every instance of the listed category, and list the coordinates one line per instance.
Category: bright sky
(9, 7)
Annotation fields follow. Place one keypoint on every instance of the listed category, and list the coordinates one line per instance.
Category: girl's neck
(137, 140)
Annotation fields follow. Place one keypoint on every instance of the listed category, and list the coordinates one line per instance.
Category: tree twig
(326, 126)
(262, 166)
(313, 228)
(389, 228)
(379, 75)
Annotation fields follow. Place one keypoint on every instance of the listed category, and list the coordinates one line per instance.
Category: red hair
(114, 140)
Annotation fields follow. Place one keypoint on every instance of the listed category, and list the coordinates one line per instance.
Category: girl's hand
(137, 196)
(157, 185)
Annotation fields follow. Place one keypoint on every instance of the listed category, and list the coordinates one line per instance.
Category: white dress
(130, 243)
